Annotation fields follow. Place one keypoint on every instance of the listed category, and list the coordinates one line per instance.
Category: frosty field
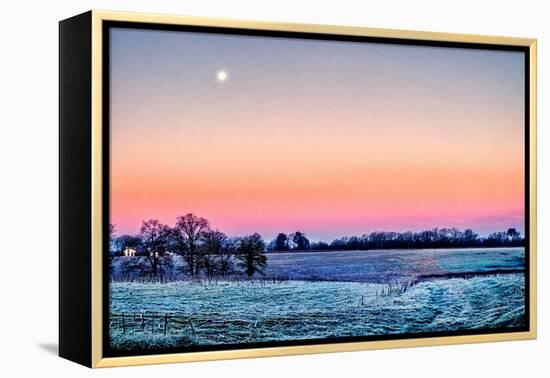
(363, 299)
(383, 266)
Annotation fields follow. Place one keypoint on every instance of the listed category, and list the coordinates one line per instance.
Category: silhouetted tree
(377, 239)
(154, 239)
(187, 237)
(470, 237)
(513, 234)
(300, 241)
(406, 239)
(281, 242)
(251, 254)
(340, 243)
(226, 255)
(211, 250)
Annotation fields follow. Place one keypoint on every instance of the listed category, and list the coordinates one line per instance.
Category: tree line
(434, 238)
(205, 250)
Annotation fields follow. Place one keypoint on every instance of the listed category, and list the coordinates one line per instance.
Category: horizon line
(479, 234)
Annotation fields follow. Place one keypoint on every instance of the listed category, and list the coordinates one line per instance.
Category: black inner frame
(106, 25)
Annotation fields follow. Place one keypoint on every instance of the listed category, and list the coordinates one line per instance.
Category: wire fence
(151, 323)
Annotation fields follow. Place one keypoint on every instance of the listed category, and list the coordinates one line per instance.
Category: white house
(129, 252)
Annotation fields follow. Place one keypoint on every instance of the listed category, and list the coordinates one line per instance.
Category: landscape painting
(275, 190)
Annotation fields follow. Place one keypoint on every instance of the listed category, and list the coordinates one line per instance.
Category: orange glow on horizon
(329, 138)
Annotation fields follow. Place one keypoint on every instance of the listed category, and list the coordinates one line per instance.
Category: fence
(151, 323)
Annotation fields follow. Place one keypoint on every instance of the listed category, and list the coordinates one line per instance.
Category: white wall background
(29, 174)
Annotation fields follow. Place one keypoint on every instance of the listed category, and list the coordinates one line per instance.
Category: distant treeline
(434, 238)
(208, 252)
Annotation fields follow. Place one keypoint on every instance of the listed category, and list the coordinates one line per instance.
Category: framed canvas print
(235, 189)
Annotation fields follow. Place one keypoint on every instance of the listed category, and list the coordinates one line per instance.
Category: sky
(269, 135)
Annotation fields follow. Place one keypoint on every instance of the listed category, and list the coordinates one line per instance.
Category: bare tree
(225, 263)
(211, 250)
(189, 231)
(469, 237)
(251, 254)
(154, 237)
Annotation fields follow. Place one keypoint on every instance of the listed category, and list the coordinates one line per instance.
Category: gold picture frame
(92, 23)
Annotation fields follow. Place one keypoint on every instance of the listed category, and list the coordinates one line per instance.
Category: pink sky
(293, 142)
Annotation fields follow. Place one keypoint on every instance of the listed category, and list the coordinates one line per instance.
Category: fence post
(123, 324)
(192, 328)
(165, 323)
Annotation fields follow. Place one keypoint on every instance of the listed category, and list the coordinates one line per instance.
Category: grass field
(182, 313)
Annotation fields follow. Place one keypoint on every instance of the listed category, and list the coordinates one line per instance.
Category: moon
(222, 76)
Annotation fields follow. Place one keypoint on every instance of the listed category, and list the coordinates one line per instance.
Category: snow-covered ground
(378, 266)
(250, 312)
(383, 266)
